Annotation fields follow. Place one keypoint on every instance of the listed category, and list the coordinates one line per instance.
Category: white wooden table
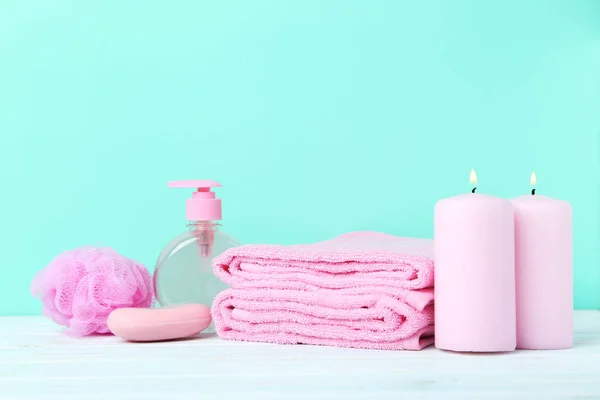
(37, 361)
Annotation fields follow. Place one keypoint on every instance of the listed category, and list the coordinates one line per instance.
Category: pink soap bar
(474, 245)
(544, 271)
(154, 324)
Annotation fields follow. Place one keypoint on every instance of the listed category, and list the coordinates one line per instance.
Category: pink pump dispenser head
(203, 206)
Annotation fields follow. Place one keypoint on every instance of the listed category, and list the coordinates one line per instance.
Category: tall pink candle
(474, 274)
(544, 272)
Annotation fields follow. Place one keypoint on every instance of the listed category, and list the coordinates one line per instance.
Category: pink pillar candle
(474, 246)
(544, 272)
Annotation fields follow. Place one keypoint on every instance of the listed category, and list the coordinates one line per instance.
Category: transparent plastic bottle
(183, 272)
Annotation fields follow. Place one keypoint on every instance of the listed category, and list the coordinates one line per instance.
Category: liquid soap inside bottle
(184, 271)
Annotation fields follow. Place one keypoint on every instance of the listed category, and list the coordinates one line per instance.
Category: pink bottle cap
(203, 206)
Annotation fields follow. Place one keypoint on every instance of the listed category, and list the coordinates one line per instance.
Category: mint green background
(320, 117)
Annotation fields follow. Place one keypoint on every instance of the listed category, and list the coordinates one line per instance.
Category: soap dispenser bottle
(183, 272)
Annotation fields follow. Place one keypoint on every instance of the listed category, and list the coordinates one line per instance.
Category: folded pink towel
(352, 259)
(363, 290)
(371, 321)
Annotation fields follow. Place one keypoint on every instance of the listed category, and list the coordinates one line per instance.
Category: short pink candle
(474, 274)
(544, 272)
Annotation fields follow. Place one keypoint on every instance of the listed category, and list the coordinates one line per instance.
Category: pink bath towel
(362, 290)
(352, 259)
(370, 321)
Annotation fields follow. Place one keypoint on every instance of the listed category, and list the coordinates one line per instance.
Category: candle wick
(533, 191)
(473, 191)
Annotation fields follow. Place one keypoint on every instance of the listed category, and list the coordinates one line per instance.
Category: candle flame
(473, 177)
(533, 179)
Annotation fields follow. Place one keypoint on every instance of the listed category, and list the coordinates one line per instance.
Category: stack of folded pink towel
(363, 290)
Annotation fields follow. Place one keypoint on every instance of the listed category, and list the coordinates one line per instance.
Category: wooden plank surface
(37, 361)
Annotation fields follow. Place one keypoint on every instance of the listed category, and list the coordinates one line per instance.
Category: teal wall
(319, 117)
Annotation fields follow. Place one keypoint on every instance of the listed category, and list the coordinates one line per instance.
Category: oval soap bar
(155, 324)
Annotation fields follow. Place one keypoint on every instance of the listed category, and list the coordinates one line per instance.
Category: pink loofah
(79, 288)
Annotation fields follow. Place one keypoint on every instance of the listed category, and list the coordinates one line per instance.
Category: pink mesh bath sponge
(79, 288)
